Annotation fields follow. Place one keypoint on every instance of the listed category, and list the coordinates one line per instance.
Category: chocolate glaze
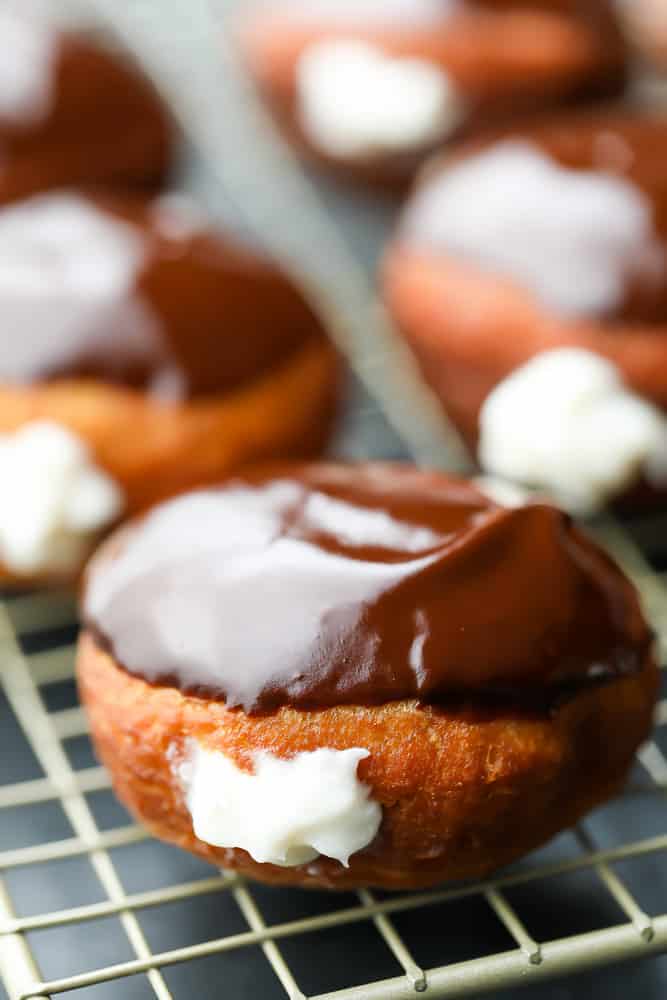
(326, 585)
(106, 125)
(223, 315)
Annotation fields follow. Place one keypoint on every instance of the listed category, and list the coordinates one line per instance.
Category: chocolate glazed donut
(471, 323)
(101, 123)
(171, 354)
(498, 59)
(376, 610)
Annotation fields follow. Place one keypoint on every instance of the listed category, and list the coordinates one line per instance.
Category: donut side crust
(463, 791)
(469, 330)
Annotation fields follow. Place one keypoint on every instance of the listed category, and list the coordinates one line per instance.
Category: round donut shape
(258, 377)
(467, 779)
(463, 791)
(504, 57)
(471, 326)
(104, 124)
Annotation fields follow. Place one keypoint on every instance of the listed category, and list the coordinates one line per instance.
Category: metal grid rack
(31, 668)
(26, 676)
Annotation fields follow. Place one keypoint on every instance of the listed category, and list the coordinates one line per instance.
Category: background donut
(173, 354)
(498, 59)
(471, 323)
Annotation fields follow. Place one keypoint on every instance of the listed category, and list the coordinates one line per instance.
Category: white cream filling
(564, 422)
(572, 238)
(53, 500)
(29, 47)
(354, 100)
(288, 811)
(68, 274)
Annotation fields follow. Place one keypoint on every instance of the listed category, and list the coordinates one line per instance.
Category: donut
(141, 354)
(346, 675)
(368, 89)
(72, 113)
(542, 240)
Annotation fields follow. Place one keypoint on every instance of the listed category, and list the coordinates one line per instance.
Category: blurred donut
(369, 88)
(167, 353)
(548, 237)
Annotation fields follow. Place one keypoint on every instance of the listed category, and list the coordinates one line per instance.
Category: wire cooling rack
(89, 903)
(27, 677)
(33, 668)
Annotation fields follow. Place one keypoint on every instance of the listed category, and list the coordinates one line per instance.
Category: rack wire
(37, 655)
(26, 676)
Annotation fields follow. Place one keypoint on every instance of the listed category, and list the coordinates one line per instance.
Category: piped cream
(54, 499)
(566, 423)
(355, 100)
(285, 812)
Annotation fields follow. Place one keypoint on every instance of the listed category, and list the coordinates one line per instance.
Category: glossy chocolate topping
(332, 584)
(138, 292)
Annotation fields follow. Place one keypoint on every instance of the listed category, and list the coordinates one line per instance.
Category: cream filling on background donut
(572, 238)
(564, 422)
(68, 274)
(287, 811)
(29, 47)
(354, 100)
(53, 501)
